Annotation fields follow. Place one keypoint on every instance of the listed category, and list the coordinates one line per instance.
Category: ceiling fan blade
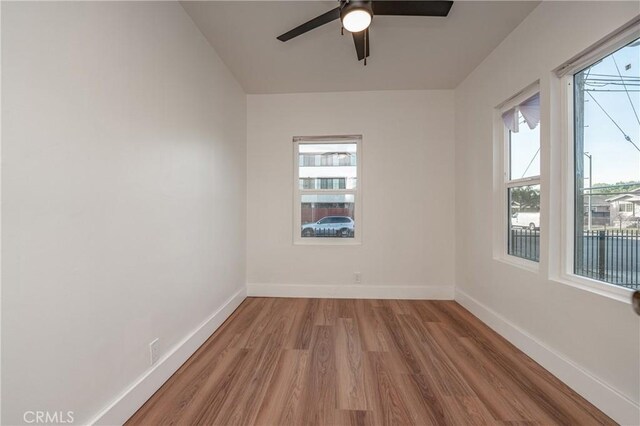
(316, 22)
(412, 8)
(361, 46)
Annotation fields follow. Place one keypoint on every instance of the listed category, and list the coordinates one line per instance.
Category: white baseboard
(616, 405)
(127, 403)
(349, 291)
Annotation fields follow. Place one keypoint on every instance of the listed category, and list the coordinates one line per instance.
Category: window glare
(525, 151)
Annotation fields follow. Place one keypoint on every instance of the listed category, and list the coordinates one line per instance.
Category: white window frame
(501, 249)
(297, 192)
(625, 204)
(566, 72)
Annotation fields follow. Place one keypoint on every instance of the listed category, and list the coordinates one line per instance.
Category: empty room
(320, 213)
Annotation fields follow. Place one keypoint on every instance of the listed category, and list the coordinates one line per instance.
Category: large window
(522, 176)
(606, 133)
(326, 190)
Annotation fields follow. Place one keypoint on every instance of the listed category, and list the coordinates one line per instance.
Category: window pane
(323, 183)
(524, 222)
(327, 215)
(524, 151)
(607, 168)
(327, 166)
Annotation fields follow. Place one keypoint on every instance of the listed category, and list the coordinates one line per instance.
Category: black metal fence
(525, 243)
(612, 256)
(335, 233)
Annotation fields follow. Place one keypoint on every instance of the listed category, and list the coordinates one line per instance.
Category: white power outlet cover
(357, 277)
(154, 351)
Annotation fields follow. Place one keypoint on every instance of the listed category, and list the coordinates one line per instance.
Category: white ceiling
(406, 52)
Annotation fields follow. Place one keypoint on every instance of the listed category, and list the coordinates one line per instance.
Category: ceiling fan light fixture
(356, 20)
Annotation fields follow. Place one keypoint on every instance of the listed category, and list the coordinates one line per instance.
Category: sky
(525, 151)
(613, 158)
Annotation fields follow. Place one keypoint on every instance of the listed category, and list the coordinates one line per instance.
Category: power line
(612, 90)
(593, 82)
(627, 138)
(625, 89)
(633, 80)
(530, 163)
(600, 83)
(613, 75)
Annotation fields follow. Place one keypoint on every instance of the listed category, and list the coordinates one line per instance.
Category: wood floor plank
(283, 405)
(319, 396)
(384, 396)
(399, 339)
(250, 336)
(327, 312)
(424, 400)
(185, 384)
(302, 327)
(436, 363)
(349, 366)
(242, 405)
(485, 381)
(547, 391)
(346, 308)
(353, 418)
(333, 362)
(371, 331)
(208, 401)
(469, 409)
(423, 311)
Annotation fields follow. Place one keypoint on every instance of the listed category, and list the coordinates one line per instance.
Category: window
(522, 175)
(326, 190)
(606, 162)
(323, 183)
(626, 208)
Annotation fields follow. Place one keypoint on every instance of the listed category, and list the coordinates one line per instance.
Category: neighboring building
(600, 210)
(320, 170)
(625, 208)
(316, 207)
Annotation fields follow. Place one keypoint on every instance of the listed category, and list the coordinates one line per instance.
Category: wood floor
(362, 362)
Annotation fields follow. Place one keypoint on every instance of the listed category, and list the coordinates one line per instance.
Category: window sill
(326, 242)
(611, 291)
(527, 265)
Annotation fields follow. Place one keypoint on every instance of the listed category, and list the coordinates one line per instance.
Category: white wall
(598, 337)
(407, 183)
(124, 187)
(123, 196)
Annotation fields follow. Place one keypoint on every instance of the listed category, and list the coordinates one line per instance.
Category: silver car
(330, 226)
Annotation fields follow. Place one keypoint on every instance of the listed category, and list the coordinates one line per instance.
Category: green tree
(526, 197)
(608, 188)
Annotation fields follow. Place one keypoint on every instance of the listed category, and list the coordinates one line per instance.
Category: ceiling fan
(356, 16)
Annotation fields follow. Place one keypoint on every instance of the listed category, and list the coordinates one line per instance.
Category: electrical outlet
(357, 278)
(154, 351)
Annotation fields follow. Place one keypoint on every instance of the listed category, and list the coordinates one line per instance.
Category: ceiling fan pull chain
(366, 51)
(341, 30)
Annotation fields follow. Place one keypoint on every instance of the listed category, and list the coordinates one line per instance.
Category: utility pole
(578, 110)
(589, 156)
